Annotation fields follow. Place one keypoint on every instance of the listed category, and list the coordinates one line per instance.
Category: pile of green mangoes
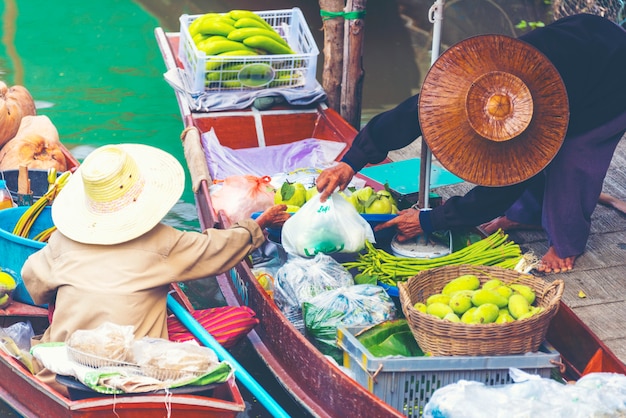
(463, 299)
(365, 200)
(240, 33)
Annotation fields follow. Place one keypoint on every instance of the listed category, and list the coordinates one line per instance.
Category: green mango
(468, 316)
(492, 284)
(525, 291)
(438, 309)
(505, 291)
(461, 301)
(438, 297)
(518, 305)
(483, 296)
(485, 314)
(452, 317)
(534, 310)
(504, 317)
(463, 282)
(420, 306)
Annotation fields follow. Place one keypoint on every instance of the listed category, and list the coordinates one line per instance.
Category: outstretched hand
(407, 224)
(273, 217)
(337, 176)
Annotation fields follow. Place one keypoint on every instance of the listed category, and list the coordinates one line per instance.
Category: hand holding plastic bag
(241, 196)
(330, 227)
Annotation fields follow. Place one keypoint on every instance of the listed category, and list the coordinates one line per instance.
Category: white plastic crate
(407, 383)
(288, 70)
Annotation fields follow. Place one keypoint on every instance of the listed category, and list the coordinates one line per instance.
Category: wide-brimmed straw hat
(493, 110)
(118, 193)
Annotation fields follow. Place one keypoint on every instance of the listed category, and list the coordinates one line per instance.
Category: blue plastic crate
(14, 250)
(407, 383)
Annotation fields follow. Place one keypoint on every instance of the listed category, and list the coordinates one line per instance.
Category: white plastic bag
(330, 227)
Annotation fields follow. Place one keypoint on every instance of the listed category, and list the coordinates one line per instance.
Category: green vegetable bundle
(494, 250)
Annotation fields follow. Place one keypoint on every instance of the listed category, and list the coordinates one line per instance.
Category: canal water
(95, 70)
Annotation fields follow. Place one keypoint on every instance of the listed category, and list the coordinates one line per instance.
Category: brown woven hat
(493, 110)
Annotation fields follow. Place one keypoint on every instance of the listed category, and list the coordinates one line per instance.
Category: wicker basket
(445, 338)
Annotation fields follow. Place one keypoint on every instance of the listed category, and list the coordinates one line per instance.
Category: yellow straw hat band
(111, 183)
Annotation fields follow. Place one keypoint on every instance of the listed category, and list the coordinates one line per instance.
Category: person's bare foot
(552, 263)
(504, 224)
(613, 202)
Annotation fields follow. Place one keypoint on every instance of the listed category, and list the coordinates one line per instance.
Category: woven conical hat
(493, 110)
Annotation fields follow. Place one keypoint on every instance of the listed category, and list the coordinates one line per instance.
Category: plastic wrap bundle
(594, 395)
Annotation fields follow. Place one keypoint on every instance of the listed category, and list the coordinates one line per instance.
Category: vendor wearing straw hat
(112, 260)
(533, 122)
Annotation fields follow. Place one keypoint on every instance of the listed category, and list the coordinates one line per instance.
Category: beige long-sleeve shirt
(127, 283)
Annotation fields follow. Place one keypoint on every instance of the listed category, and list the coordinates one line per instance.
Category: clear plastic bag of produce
(358, 305)
(241, 196)
(301, 279)
(594, 395)
(330, 227)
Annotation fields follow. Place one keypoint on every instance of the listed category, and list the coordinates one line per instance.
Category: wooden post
(333, 53)
(352, 80)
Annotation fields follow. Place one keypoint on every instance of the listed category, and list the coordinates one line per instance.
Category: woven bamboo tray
(445, 338)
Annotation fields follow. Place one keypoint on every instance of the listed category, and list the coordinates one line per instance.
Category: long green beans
(494, 250)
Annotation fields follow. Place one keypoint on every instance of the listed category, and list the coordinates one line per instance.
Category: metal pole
(435, 16)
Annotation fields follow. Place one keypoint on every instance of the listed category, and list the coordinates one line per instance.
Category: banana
(247, 22)
(216, 62)
(213, 38)
(245, 14)
(227, 72)
(215, 26)
(268, 44)
(243, 33)
(195, 24)
(219, 47)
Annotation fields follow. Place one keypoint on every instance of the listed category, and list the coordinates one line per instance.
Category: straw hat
(118, 193)
(493, 110)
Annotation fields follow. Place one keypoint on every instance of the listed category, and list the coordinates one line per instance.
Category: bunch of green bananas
(238, 33)
(28, 218)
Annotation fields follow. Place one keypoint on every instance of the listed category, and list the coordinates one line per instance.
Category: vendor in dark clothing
(589, 53)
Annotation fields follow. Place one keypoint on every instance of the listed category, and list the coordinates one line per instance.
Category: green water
(95, 70)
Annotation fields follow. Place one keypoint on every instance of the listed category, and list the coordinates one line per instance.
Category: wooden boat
(316, 383)
(29, 397)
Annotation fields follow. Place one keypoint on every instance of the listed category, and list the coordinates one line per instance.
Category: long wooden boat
(309, 377)
(29, 397)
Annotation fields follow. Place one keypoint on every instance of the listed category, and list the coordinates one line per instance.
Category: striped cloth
(227, 324)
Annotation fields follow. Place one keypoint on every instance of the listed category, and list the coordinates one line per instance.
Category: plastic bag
(260, 161)
(301, 279)
(106, 341)
(21, 333)
(329, 227)
(358, 305)
(594, 395)
(240, 196)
